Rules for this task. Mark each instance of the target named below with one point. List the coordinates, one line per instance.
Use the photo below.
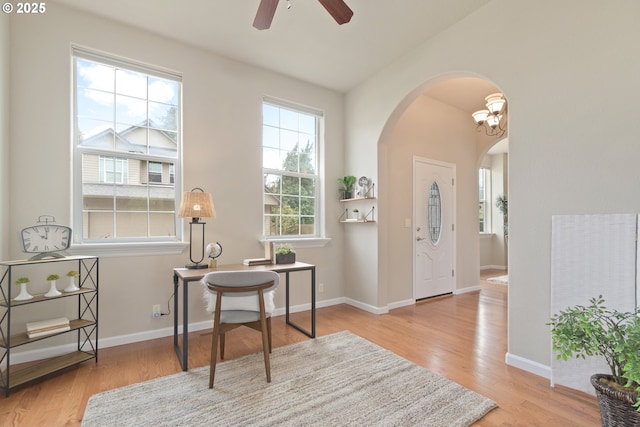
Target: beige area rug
(336, 380)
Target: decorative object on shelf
(45, 239)
(285, 254)
(72, 287)
(214, 250)
(494, 119)
(595, 330)
(196, 204)
(53, 291)
(346, 191)
(361, 216)
(24, 294)
(365, 187)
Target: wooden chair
(237, 298)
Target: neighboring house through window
(290, 138)
(126, 150)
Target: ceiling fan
(267, 8)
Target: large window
(484, 185)
(126, 150)
(290, 168)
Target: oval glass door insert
(434, 213)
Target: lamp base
(196, 266)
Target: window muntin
(484, 213)
(127, 147)
(290, 171)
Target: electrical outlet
(155, 310)
(321, 287)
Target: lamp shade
(495, 102)
(480, 116)
(197, 204)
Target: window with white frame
(484, 185)
(290, 138)
(126, 143)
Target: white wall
(570, 71)
(222, 138)
(433, 130)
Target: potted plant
(53, 292)
(24, 294)
(285, 254)
(72, 274)
(582, 331)
(503, 205)
(347, 183)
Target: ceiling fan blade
(338, 9)
(264, 16)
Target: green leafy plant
(582, 331)
(347, 183)
(503, 205)
(52, 277)
(284, 249)
(72, 273)
(22, 280)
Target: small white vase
(72, 285)
(23, 295)
(53, 292)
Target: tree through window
(290, 169)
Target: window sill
(303, 243)
(128, 249)
(487, 235)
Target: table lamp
(196, 204)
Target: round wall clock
(45, 238)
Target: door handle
(420, 238)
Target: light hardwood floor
(461, 337)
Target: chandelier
(491, 119)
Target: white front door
(433, 233)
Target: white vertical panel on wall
(591, 255)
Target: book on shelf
(47, 327)
(51, 331)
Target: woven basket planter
(616, 407)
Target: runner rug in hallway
(335, 380)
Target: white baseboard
(528, 365)
(493, 267)
(366, 307)
(44, 353)
(400, 304)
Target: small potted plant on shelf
(581, 331)
(347, 182)
(72, 287)
(285, 254)
(24, 294)
(53, 292)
